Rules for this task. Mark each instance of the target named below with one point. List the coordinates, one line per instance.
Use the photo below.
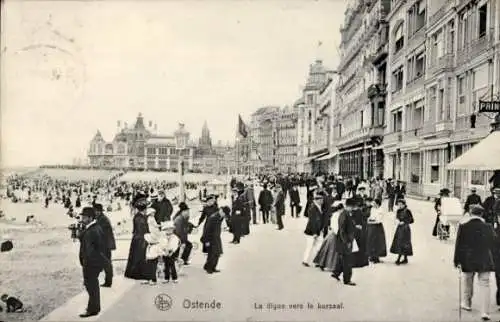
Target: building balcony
(429, 129)
(476, 47)
(417, 38)
(464, 123)
(393, 138)
(416, 83)
(432, 128)
(444, 126)
(442, 64)
(359, 136)
(440, 13)
(412, 135)
(375, 90)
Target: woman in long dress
(376, 244)
(401, 244)
(136, 264)
(325, 259)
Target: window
(420, 15)
(420, 65)
(432, 102)
(310, 99)
(434, 173)
(477, 177)
(409, 69)
(441, 105)
(464, 30)
(434, 166)
(461, 96)
(451, 37)
(483, 19)
(399, 37)
(362, 115)
(397, 121)
(397, 77)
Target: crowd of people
(344, 230)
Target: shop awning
(328, 156)
(483, 156)
(315, 157)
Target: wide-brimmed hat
(444, 191)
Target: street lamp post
(181, 146)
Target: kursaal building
(141, 147)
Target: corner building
(441, 63)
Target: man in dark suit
(92, 259)
(295, 201)
(472, 199)
(182, 228)
(343, 244)
(109, 239)
(211, 239)
(265, 203)
(473, 254)
(279, 205)
(163, 208)
(238, 212)
(313, 228)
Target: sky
(70, 68)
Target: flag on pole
(242, 128)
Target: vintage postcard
(239, 160)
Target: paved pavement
(262, 279)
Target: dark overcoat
(92, 248)
(107, 229)
(474, 246)
(314, 221)
(212, 234)
(345, 235)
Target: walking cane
(459, 293)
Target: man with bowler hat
(92, 259)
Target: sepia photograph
(250, 160)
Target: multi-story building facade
(308, 109)
(263, 139)
(358, 119)
(286, 129)
(140, 147)
(323, 126)
(442, 58)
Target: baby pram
(450, 215)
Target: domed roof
(317, 67)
